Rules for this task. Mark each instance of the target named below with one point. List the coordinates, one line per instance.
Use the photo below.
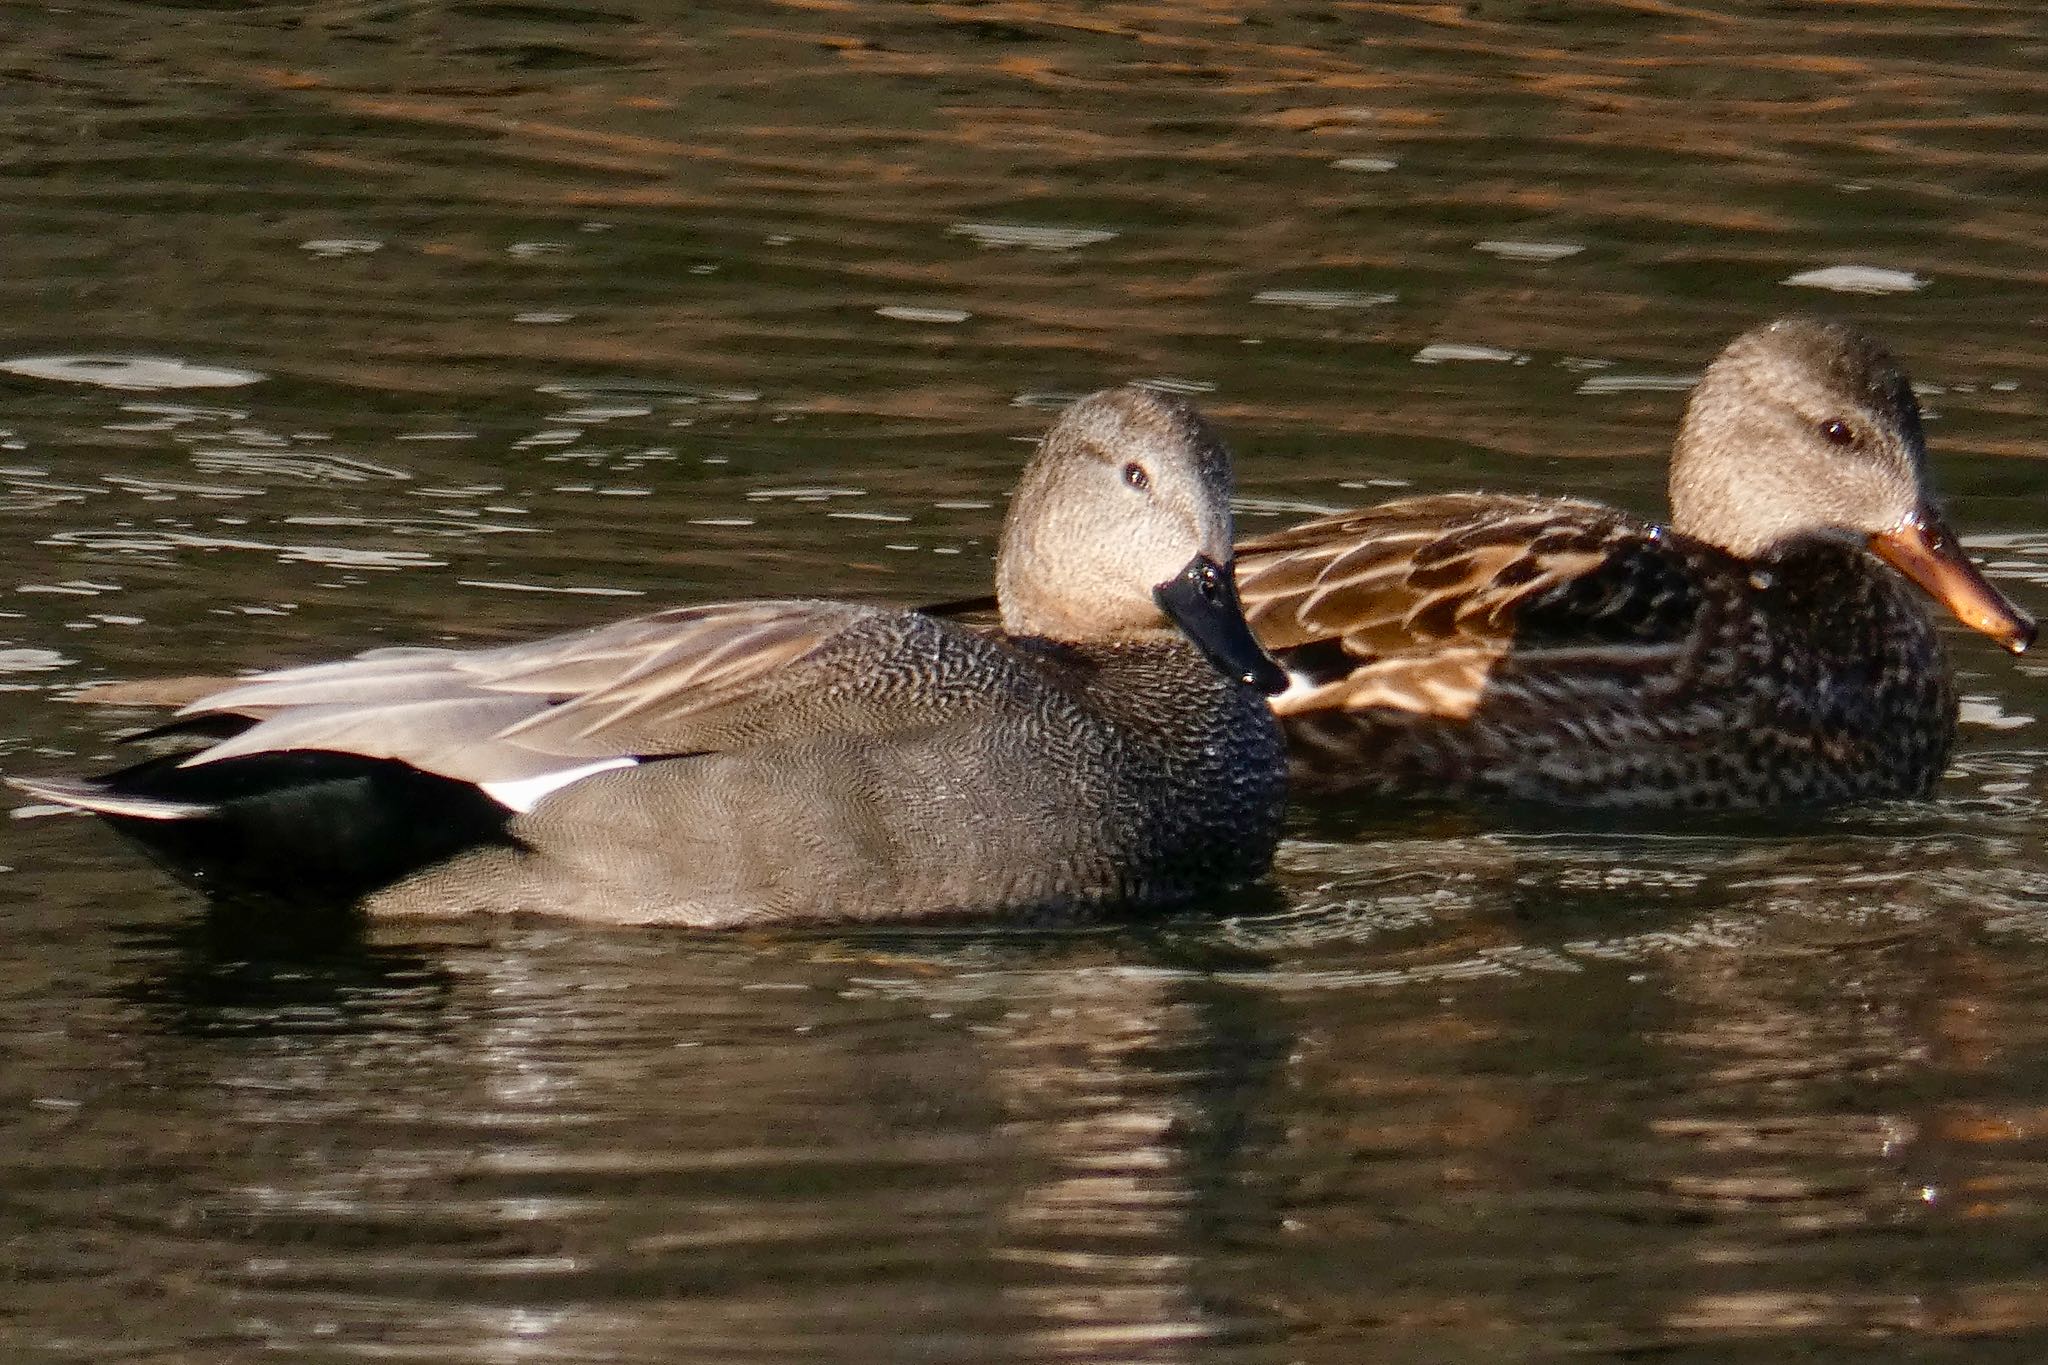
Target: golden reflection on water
(817, 164)
(562, 310)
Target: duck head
(1120, 530)
(1805, 427)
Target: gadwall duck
(1766, 649)
(783, 761)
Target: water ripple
(129, 372)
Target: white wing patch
(523, 794)
(1299, 687)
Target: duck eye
(1838, 431)
(1136, 477)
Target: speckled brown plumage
(1485, 647)
(1607, 663)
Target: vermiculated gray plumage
(775, 761)
(1033, 776)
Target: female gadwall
(777, 761)
(1755, 654)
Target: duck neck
(1028, 607)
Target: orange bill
(1926, 551)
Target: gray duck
(1768, 648)
(767, 762)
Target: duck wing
(1414, 605)
(688, 680)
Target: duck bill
(1926, 551)
(1202, 600)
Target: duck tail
(98, 799)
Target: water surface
(331, 327)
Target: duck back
(1565, 654)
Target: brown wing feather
(681, 681)
(698, 678)
(1413, 604)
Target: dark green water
(549, 312)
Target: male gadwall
(780, 761)
(1765, 650)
